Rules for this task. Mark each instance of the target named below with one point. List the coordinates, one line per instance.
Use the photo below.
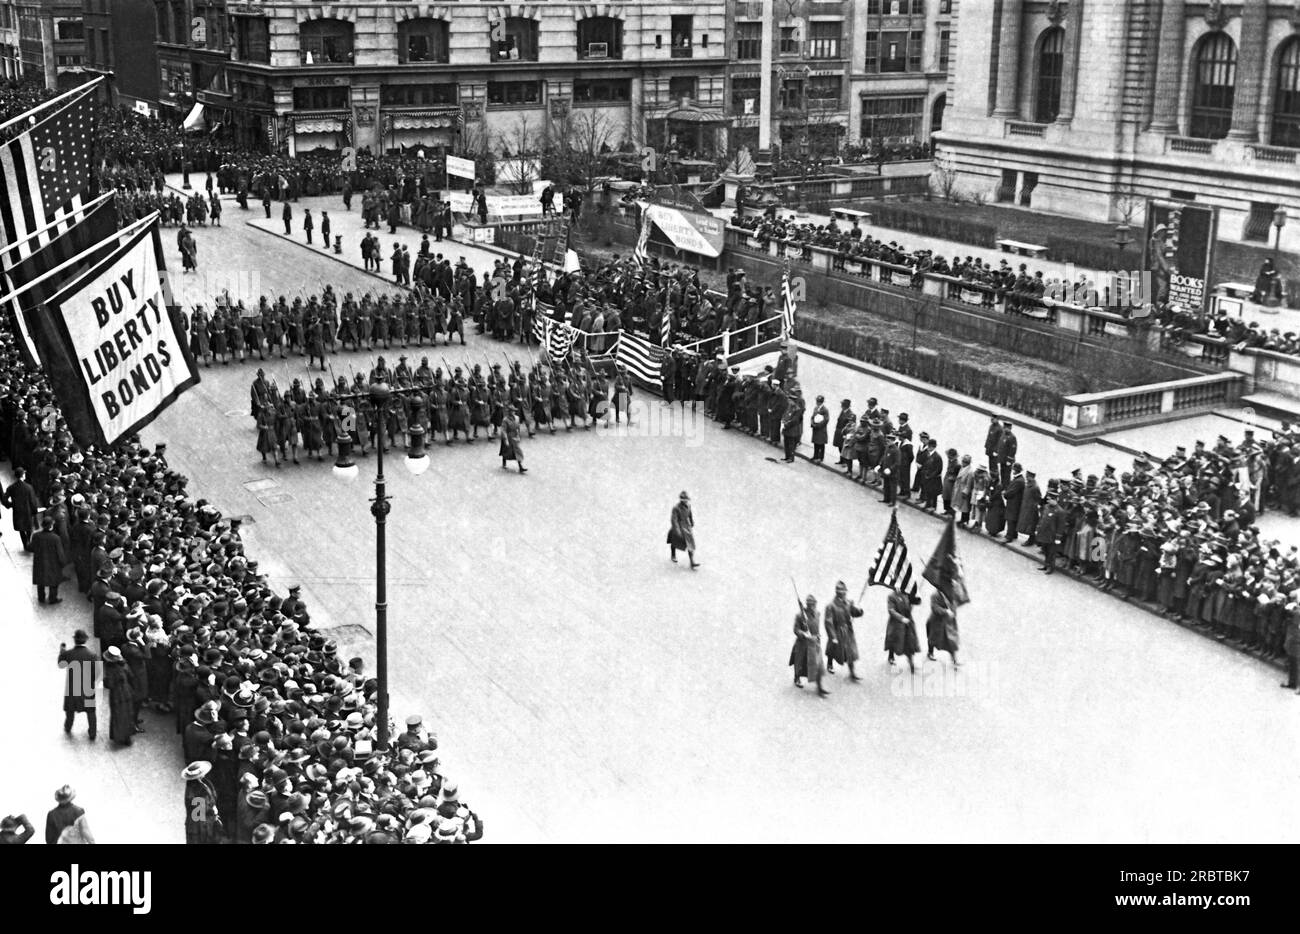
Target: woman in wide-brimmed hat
(120, 683)
(202, 819)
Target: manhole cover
(235, 413)
(254, 486)
(275, 499)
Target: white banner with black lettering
(118, 351)
(461, 168)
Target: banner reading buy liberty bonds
(113, 347)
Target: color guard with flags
(893, 569)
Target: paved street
(584, 688)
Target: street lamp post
(417, 462)
(1279, 221)
(1123, 237)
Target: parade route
(584, 688)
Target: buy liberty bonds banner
(117, 356)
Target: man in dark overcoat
(21, 498)
(1015, 497)
(83, 668)
(49, 559)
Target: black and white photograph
(737, 422)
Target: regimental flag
(46, 173)
(99, 224)
(113, 344)
(893, 567)
(787, 304)
(944, 571)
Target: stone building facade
(306, 75)
(1089, 107)
(844, 71)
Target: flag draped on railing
(893, 567)
(787, 303)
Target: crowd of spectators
(1178, 532)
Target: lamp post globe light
(1279, 221)
(381, 396)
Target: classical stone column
(1169, 67)
(1070, 71)
(1250, 71)
(1006, 103)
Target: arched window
(1051, 62)
(936, 112)
(326, 42)
(423, 40)
(1286, 102)
(519, 42)
(1214, 80)
(600, 37)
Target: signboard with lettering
(461, 168)
(1178, 253)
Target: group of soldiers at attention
(443, 404)
(308, 328)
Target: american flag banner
(787, 303)
(98, 226)
(641, 254)
(46, 172)
(893, 567)
(641, 358)
(666, 328)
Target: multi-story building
(900, 70)
(120, 47)
(843, 72)
(11, 63)
(392, 74)
(42, 40)
(1087, 108)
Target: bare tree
(578, 145)
(943, 179)
(475, 145)
(517, 149)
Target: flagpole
(84, 209)
(130, 230)
(45, 105)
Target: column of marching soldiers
(312, 417)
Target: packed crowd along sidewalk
(278, 730)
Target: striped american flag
(641, 254)
(787, 303)
(641, 358)
(893, 568)
(559, 342)
(46, 172)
